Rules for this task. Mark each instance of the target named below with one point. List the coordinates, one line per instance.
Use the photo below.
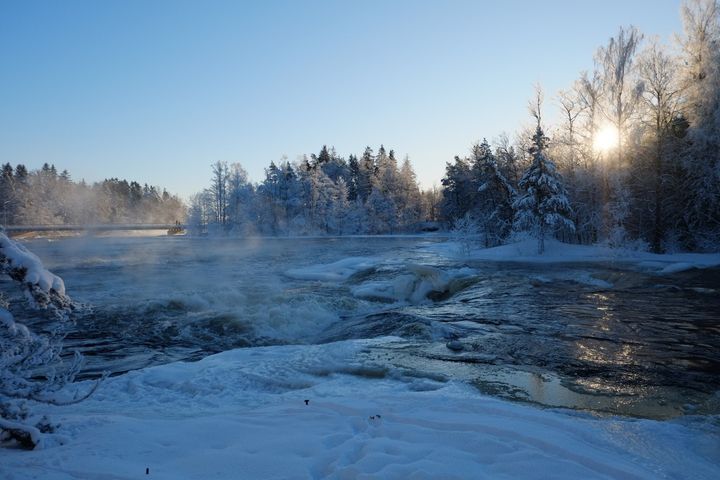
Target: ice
(677, 267)
(581, 277)
(334, 272)
(420, 284)
(242, 414)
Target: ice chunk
(334, 272)
(421, 284)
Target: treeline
(320, 194)
(638, 149)
(634, 162)
(47, 197)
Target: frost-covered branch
(30, 365)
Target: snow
(416, 287)
(13, 328)
(242, 414)
(334, 272)
(557, 252)
(20, 257)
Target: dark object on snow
(147, 471)
(307, 402)
(177, 229)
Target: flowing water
(599, 337)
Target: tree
(701, 82)
(458, 190)
(219, 192)
(622, 91)
(409, 198)
(353, 177)
(366, 174)
(662, 102)
(543, 203)
(494, 211)
(30, 364)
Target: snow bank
(422, 283)
(19, 257)
(558, 252)
(334, 272)
(242, 414)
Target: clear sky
(158, 90)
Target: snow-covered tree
(542, 205)
(31, 369)
(661, 101)
(701, 81)
(493, 210)
(465, 232)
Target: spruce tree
(494, 198)
(543, 205)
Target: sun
(606, 138)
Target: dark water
(607, 338)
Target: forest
(46, 197)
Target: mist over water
(604, 338)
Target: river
(608, 338)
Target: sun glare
(606, 138)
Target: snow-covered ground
(242, 414)
(557, 253)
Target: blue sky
(158, 90)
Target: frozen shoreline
(241, 414)
(558, 253)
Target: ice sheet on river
(242, 414)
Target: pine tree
(366, 174)
(353, 178)
(459, 190)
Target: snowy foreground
(242, 414)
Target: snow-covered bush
(31, 369)
(465, 232)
